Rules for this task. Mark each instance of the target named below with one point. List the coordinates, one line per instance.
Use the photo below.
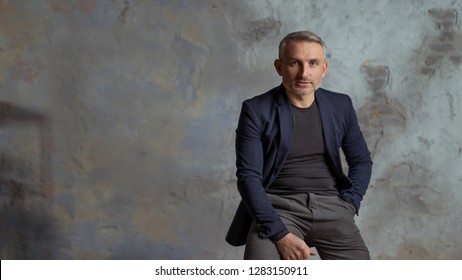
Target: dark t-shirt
(305, 169)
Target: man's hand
(291, 247)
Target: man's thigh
(292, 210)
(258, 248)
(335, 234)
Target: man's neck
(301, 101)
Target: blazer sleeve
(358, 158)
(250, 163)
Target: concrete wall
(117, 121)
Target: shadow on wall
(27, 226)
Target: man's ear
(278, 66)
(325, 66)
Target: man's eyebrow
(311, 60)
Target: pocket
(281, 202)
(348, 205)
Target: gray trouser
(324, 222)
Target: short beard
(300, 92)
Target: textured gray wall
(117, 121)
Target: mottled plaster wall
(117, 121)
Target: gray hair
(305, 36)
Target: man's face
(302, 67)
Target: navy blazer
(263, 137)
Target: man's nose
(304, 70)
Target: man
(290, 177)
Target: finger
(308, 253)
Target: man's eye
(294, 63)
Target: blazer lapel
(328, 125)
(285, 126)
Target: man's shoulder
(332, 94)
(333, 98)
(268, 97)
(266, 105)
